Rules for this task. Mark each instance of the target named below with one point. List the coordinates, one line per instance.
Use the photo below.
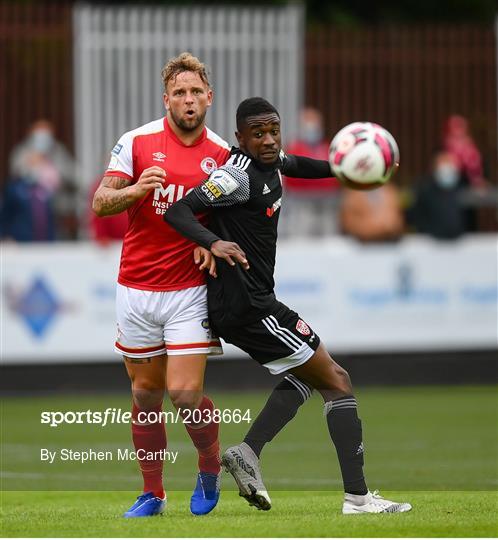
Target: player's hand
(231, 252)
(206, 260)
(151, 178)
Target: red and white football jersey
(155, 257)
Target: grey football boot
(243, 464)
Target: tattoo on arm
(115, 182)
(112, 197)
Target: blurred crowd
(38, 202)
(41, 199)
(442, 203)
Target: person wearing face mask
(312, 207)
(437, 209)
(26, 211)
(41, 160)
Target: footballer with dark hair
(244, 198)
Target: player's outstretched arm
(116, 194)
(181, 216)
(304, 167)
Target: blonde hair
(183, 62)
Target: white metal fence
(120, 51)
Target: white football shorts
(151, 323)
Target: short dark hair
(252, 107)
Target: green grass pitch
(435, 447)
(295, 514)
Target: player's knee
(146, 395)
(342, 381)
(186, 399)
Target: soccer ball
(363, 155)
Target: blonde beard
(199, 120)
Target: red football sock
(150, 437)
(205, 439)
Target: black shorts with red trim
(279, 341)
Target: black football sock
(280, 409)
(345, 431)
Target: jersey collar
(266, 167)
(202, 137)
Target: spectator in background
(311, 205)
(372, 216)
(458, 141)
(105, 230)
(26, 210)
(437, 210)
(44, 162)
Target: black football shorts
(280, 341)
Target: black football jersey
(244, 198)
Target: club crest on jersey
(303, 328)
(276, 205)
(158, 156)
(208, 165)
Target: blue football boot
(206, 493)
(146, 505)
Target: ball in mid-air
(363, 155)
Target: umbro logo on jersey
(158, 156)
(360, 449)
(266, 190)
